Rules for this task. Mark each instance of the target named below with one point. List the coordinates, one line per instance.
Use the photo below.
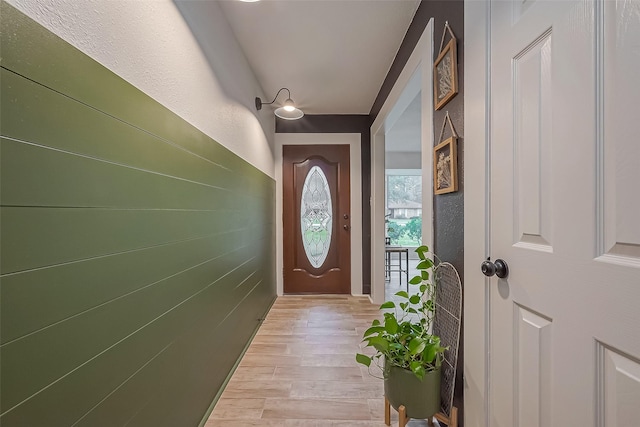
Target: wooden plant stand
(446, 325)
(402, 414)
(451, 421)
(403, 419)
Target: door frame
(417, 75)
(477, 212)
(355, 164)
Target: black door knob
(499, 268)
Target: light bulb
(289, 105)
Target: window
(404, 210)
(316, 216)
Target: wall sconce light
(288, 111)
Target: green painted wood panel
(41, 237)
(165, 416)
(65, 401)
(71, 126)
(86, 335)
(103, 184)
(136, 253)
(97, 281)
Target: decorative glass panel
(316, 216)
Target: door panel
(317, 219)
(620, 157)
(565, 167)
(532, 370)
(532, 144)
(619, 388)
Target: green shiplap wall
(136, 253)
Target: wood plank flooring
(300, 370)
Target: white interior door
(565, 213)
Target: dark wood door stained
(333, 276)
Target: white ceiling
(332, 54)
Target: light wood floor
(300, 369)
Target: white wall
(402, 160)
(353, 140)
(182, 54)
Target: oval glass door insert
(316, 216)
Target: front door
(316, 219)
(565, 214)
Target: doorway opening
(403, 200)
(401, 173)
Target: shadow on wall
(226, 58)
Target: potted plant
(407, 353)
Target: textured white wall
(183, 54)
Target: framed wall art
(445, 167)
(445, 72)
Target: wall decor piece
(445, 71)
(445, 174)
(445, 161)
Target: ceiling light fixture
(288, 111)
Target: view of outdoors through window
(404, 210)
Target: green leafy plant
(404, 338)
(394, 231)
(413, 229)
